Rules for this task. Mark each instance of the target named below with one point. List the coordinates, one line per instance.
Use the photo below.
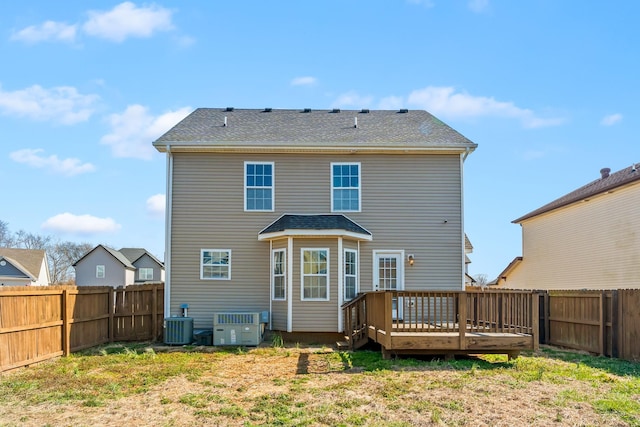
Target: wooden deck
(404, 322)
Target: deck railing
(440, 311)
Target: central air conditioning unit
(178, 330)
(238, 328)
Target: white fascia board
(314, 233)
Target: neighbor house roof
(322, 223)
(220, 128)
(134, 254)
(27, 260)
(607, 182)
(116, 254)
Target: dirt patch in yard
(303, 386)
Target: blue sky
(548, 89)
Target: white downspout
(167, 239)
(290, 284)
(462, 157)
(270, 282)
(340, 282)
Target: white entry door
(389, 275)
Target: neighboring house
(23, 267)
(297, 211)
(587, 239)
(103, 266)
(468, 248)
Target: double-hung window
(315, 274)
(345, 187)
(99, 271)
(350, 274)
(279, 274)
(215, 264)
(145, 273)
(258, 186)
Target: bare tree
(6, 237)
(482, 280)
(27, 240)
(62, 256)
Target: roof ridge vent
(335, 110)
(365, 111)
(228, 109)
(306, 110)
(604, 172)
(403, 111)
(267, 110)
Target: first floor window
(215, 264)
(99, 271)
(145, 273)
(315, 274)
(350, 274)
(279, 274)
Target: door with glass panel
(389, 276)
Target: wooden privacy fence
(603, 322)
(39, 323)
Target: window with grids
(99, 271)
(258, 184)
(215, 264)
(345, 187)
(145, 273)
(279, 274)
(350, 274)
(315, 274)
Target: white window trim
(356, 275)
(202, 251)
(104, 273)
(359, 185)
(273, 277)
(141, 269)
(273, 186)
(302, 275)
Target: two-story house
(586, 239)
(297, 211)
(104, 266)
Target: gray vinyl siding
(406, 200)
(115, 274)
(145, 261)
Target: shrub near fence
(39, 323)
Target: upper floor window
(345, 187)
(99, 271)
(258, 186)
(215, 264)
(145, 273)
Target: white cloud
(61, 104)
(80, 224)
(304, 81)
(48, 31)
(445, 102)
(611, 119)
(133, 131)
(156, 205)
(352, 99)
(128, 20)
(68, 167)
(478, 5)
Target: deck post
(388, 317)
(462, 319)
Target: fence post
(154, 312)
(613, 312)
(112, 308)
(601, 320)
(462, 319)
(535, 319)
(66, 330)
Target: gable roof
(29, 261)
(134, 254)
(322, 223)
(606, 182)
(226, 128)
(116, 254)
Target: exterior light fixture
(410, 258)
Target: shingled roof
(314, 222)
(29, 259)
(606, 182)
(208, 128)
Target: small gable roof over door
(314, 226)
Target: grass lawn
(122, 385)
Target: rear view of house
(295, 212)
(23, 267)
(103, 266)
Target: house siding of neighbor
(410, 202)
(103, 266)
(23, 267)
(587, 239)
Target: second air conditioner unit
(237, 329)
